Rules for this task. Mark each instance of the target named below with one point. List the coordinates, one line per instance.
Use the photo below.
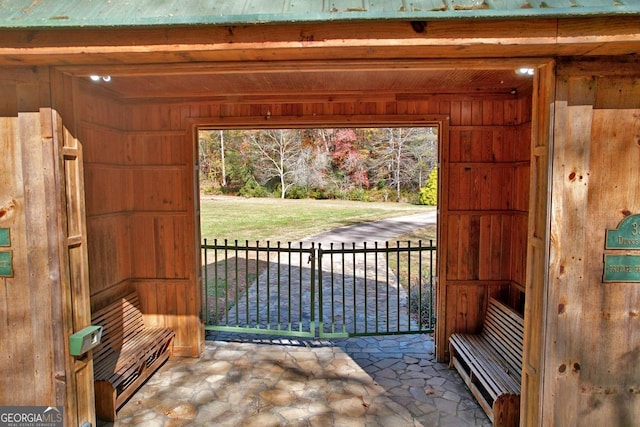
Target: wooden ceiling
(247, 83)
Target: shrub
(429, 193)
(252, 189)
(379, 195)
(297, 192)
(421, 306)
(358, 195)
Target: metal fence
(308, 290)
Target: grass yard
(254, 219)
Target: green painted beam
(35, 14)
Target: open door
(74, 266)
(537, 246)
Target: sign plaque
(624, 267)
(6, 264)
(626, 236)
(5, 237)
(621, 268)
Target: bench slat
(134, 351)
(498, 371)
(491, 362)
(116, 332)
(128, 353)
(480, 357)
(504, 329)
(507, 350)
(114, 335)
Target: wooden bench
(127, 355)
(491, 362)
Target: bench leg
(105, 401)
(506, 411)
(452, 354)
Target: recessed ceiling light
(525, 71)
(97, 78)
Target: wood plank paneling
(15, 386)
(143, 235)
(454, 38)
(34, 158)
(111, 255)
(596, 179)
(535, 280)
(37, 311)
(570, 171)
(158, 188)
(159, 148)
(158, 248)
(107, 145)
(75, 248)
(100, 182)
(485, 165)
(484, 208)
(33, 358)
(169, 303)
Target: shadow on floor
(274, 381)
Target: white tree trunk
(224, 172)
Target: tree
(327, 162)
(279, 149)
(346, 158)
(429, 193)
(425, 153)
(312, 164)
(211, 159)
(399, 153)
(222, 162)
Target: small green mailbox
(84, 340)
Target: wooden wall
(142, 234)
(26, 374)
(109, 199)
(139, 179)
(41, 205)
(592, 342)
(483, 212)
(537, 245)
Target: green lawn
(256, 219)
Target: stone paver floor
(264, 381)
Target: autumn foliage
(348, 163)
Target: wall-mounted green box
(84, 340)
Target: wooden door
(74, 271)
(538, 246)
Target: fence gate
(306, 290)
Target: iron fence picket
(375, 290)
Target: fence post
(312, 260)
(205, 273)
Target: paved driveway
(380, 231)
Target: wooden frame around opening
(441, 121)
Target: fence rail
(307, 290)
